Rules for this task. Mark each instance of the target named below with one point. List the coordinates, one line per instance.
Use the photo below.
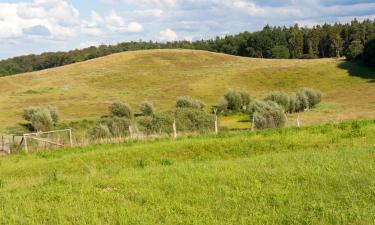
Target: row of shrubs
(271, 112)
(189, 115)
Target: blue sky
(35, 26)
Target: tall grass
(314, 175)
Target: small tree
(234, 100)
(120, 109)
(186, 102)
(355, 50)
(280, 98)
(41, 118)
(237, 100)
(314, 97)
(302, 101)
(267, 114)
(147, 109)
(54, 113)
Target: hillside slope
(85, 89)
(313, 175)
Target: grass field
(84, 90)
(314, 175)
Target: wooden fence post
(253, 124)
(298, 122)
(25, 143)
(70, 137)
(131, 132)
(216, 126)
(174, 130)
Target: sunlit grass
(313, 175)
(84, 90)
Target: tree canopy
(271, 42)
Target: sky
(35, 26)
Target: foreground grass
(84, 90)
(315, 175)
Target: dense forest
(354, 40)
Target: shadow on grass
(355, 69)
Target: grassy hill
(84, 90)
(313, 175)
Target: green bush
(355, 50)
(267, 114)
(292, 103)
(222, 106)
(120, 109)
(29, 112)
(186, 102)
(302, 101)
(187, 120)
(147, 109)
(54, 113)
(237, 100)
(101, 131)
(41, 120)
(313, 96)
(281, 99)
(117, 126)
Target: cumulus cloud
(116, 23)
(55, 19)
(168, 35)
(122, 20)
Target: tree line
(354, 40)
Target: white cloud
(168, 35)
(58, 17)
(116, 23)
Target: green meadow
(84, 90)
(321, 174)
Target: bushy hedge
(41, 118)
(235, 101)
(304, 98)
(120, 109)
(267, 114)
(187, 120)
(147, 109)
(186, 102)
(117, 126)
(280, 98)
(313, 96)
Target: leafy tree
(237, 100)
(280, 52)
(120, 109)
(280, 98)
(147, 109)
(186, 102)
(355, 50)
(313, 96)
(267, 114)
(41, 118)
